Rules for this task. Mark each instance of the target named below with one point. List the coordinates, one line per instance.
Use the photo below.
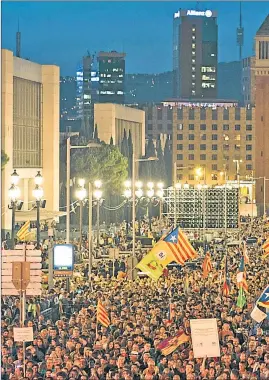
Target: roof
(264, 28)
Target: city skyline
(147, 45)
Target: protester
(70, 344)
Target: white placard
(23, 334)
(205, 338)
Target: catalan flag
(102, 315)
(179, 246)
(226, 282)
(265, 247)
(242, 276)
(264, 298)
(23, 231)
(207, 265)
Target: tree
(124, 144)
(160, 172)
(4, 159)
(111, 141)
(105, 163)
(95, 134)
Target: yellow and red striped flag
(207, 265)
(102, 315)
(24, 230)
(242, 276)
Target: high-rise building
(248, 80)
(111, 77)
(212, 138)
(30, 134)
(195, 54)
(262, 113)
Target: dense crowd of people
(72, 345)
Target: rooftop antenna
(18, 41)
(240, 33)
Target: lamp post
(38, 194)
(127, 194)
(237, 163)
(160, 194)
(81, 195)
(98, 196)
(201, 171)
(150, 195)
(13, 193)
(68, 170)
(264, 192)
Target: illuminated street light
(186, 185)
(38, 179)
(127, 193)
(127, 183)
(150, 185)
(139, 184)
(81, 182)
(98, 183)
(14, 193)
(150, 193)
(15, 178)
(38, 193)
(160, 185)
(139, 193)
(178, 185)
(81, 193)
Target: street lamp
(127, 194)
(38, 195)
(68, 169)
(237, 163)
(13, 194)
(98, 196)
(160, 194)
(81, 194)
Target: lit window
(193, 46)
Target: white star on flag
(173, 238)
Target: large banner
(205, 338)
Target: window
(191, 127)
(180, 113)
(191, 146)
(214, 127)
(249, 127)
(203, 127)
(169, 127)
(214, 166)
(214, 177)
(226, 127)
(179, 146)
(249, 137)
(170, 113)
(238, 138)
(249, 114)
(202, 146)
(191, 177)
(180, 157)
(214, 147)
(248, 147)
(160, 127)
(237, 127)
(159, 114)
(149, 127)
(226, 147)
(180, 136)
(214, 157)
(237, 114)
(214, 114)
(249, 167)
(226, 114)
(214, 137)
(203, 137)
(191, 157)
(202, 157)
(191, 137)
(248, 157)
(237, 147)
(203, 114)
(180, 127)
(191, 114)
(179, 177)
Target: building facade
(111, 77)
(159, 121)
(248, 81)
(195, 54)
(262, 114)
(30, 133)
(211, 139)
(113, 119)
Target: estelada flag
(168, 345)
(207, 265)
(102, 315)
(265, 247)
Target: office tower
(30, 133)
(212, 137)
(111, 77)
(248, 81)
(262, 114)
(195, 54)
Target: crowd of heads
(70, 344)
